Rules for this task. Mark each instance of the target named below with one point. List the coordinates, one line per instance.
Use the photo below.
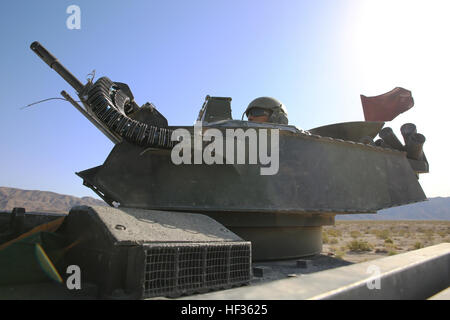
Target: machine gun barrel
(53, 63)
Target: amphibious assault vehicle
(181, 228)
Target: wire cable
(37, 102)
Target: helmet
(279, 113)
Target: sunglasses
(258, 112)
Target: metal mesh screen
(176, 269)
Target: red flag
(387, 106)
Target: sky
(316, 56)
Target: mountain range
(433, 209)
(44, 201)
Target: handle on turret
(53, 63)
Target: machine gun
(110, 106)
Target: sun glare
(405, 43)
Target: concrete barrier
(417, 274)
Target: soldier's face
(257, 114)
(258, 119)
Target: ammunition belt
(101, 103)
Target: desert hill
(35, 200)
(41, 201)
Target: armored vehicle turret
(271, 185)
(279, 207)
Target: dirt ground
(359, 241)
